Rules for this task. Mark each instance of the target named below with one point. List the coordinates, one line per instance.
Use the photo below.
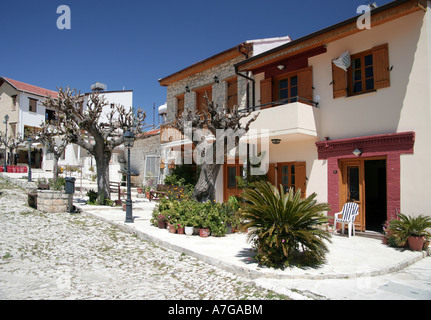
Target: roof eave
(337, 31)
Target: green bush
(189, 212)
(285, 229)
(92, 197)
(405, 226)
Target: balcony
(169, 134)
(291, 119)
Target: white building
(22, 103)
(76, 156)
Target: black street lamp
(6, 119)
(129, 139)
(29, 141)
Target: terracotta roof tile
(31, 88)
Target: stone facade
(52, 201)
(223, 71)
(147, 145)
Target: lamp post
(29, 141)
(6, 119)
(129, 139)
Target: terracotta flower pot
(172, 228)
(204, 232)
(161, 224)
(416, 243)
(180, 230)
(140, 190)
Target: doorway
(363, 181)
(230, 184)
(375, 194)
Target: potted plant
(140, 189)
(147, 192)
(180, 228)
(161, 221)
(171, 227)
(411, 230)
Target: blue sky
(131, 44)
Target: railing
(169, 134)
(280, 102)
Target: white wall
(404, 106)
(27, 118)
(75, 155)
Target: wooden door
(292, 175)
(230, 185)
(352, 188)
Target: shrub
(403, 227)
(283, 227)
(92, 197)
(189, 212)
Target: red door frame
(390, 146)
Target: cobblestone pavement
(74, 256)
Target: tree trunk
(205, 187)
(55, 168)
(102, 164)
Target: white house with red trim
(22, 103)
(361, 133)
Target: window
(180, 106)
(361, 73)
(232, 93)
(151, 170)
(288, 88)
(14, 102)
(201, 101)
(369, 71)
(50, 115)
(32, 105)
(298, 83)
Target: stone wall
(52, 201)
(223, 71)
(143, 147)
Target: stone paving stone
(73, 256)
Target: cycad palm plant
(284, 227)
(406, 226)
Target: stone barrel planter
(52, 201)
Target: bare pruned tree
(210, 131)
(97, 132)
(12, 144)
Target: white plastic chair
(348, 214)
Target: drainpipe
(248, 78)
(253, 88)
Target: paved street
(74, 256)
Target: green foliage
(405, 226)
(285, 229)
(183, 175)
(92, 199)
(190, 212)
(59, 183)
